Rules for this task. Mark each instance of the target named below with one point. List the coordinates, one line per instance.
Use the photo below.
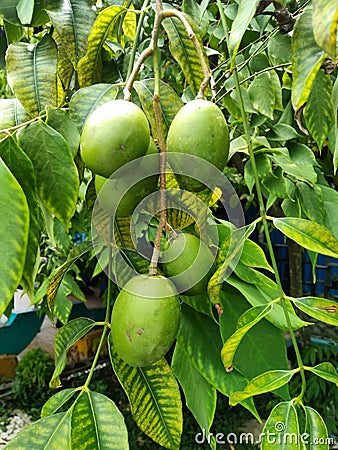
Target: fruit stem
(161, 143)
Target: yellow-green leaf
(309, 235)
(72, 20)
(14, 226)
(325, 370)
(316, 429)
(183, 50)
(32, 73)
(11, 113)
(57, 401)
(89, 67)
(319, 112)
(170, 103)
(67, 336)
(97, 423)
(87, 99)
(49, 433)
(319, 308)
(57, 276)
(154, 397)
(307, 58)
(266, 382)
(129, 23)
(282, 427)
(325, 22)
(245, 322)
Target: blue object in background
(19, 331)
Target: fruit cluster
(146, 313)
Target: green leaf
(57, 181)
(12, 113)
(57, 401)
(25, 11)
(297, 163)
(72, 21)
(200, 337)
(62, 305)
(61, 122)
(334, 131)
(197, 13)
(318, 112)
(200, 303)
(67, 336)
(32, 73)
(253, 256)
(89, 67)
(183, 50)
(276, 185)
(325, 370)
(307, 58)
(14, 227)
(57, 276)
(282, 426)
(330, 204)
(14, 33)
(311, 201)
(265, 382)
(262, 94)
(279, 49)
(96, 422)
(319, 308)
(316, 429)
(129, 25)
(282, 132)
(21, 167)
(261, 295)
(200, 396)
(254, 355)
(49, 433)
(154, 397)
(247, 320)
(170, 103)
(183, 209)
(325, 22)
(8, 11)
(308, 234)
(277, 88)
(85, 100)
(228, 256)
(245, 13)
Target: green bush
(31, 384)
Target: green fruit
(145, 320)
(114, 134)
(189, 263)
(198, 129)
(110, 190)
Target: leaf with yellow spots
(154, 397)
(308, 234)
